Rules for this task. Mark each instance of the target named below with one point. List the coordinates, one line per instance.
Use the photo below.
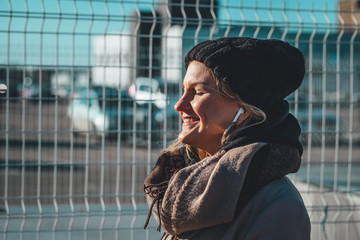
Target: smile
(188, 121)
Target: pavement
(77, 223)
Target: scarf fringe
(155, 191)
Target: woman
(225, 177)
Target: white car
(85, 113)
(146, 90)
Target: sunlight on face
(205, 112)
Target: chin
(186, 139)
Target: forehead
(198, 73)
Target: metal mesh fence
(89, 106)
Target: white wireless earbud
(241, 110)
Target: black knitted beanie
(261, 72)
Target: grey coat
(275, 212)
(201, 202)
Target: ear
(241, 118)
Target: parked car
(146, 90)
(150, 93)
(31, 91)
(97, 110)
(317, 115)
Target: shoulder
(281, 188)
(278, 193)
(278, 212)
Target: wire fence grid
(88, 107)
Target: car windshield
(145, 88)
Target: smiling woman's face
(205, 112)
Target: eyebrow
(192, 84)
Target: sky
(45, 32)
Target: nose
(182, 104)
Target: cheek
(201, 109)
(223, 113)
